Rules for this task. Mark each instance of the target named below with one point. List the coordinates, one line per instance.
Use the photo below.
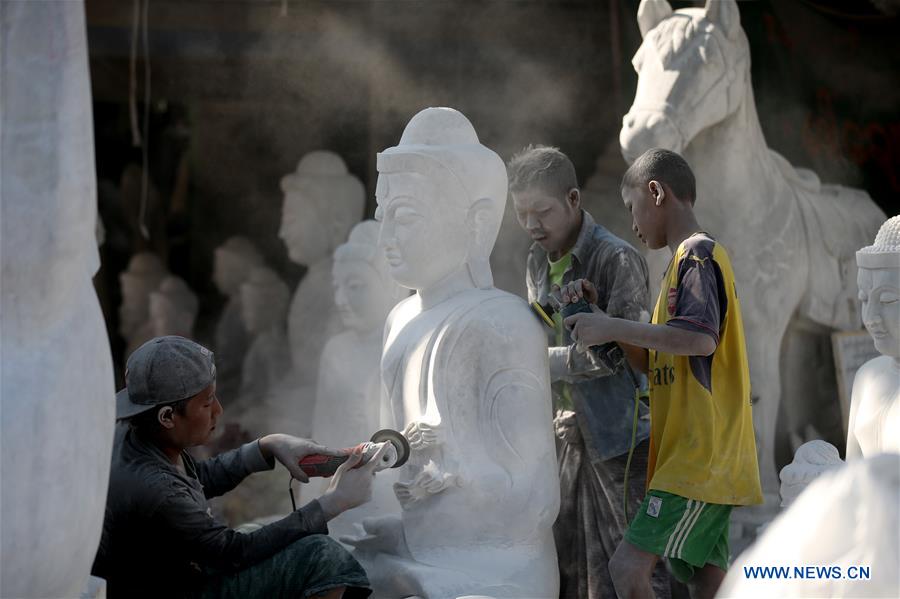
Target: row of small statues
(279, 358)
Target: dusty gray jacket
(159, 535)
(603, 399)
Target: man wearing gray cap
(159, 535)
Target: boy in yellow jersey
(702, 448)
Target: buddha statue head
(173, 308)
(878, 280)
(232, 264)
(441, 196)
(322, 200)
(144, 274)
(264, 300)
(364, 291)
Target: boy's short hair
(666, 167)
(544, 167)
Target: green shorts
(688, 532)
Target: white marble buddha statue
(465, 373)
(348, 408)
(232, 263)
(173, 308)
(322, 201)
(144, 274)
(264, 303)
(874, 425)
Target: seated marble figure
(465, 373)
(348, 408)
(874, 425)
(264, 303)
(232, 263)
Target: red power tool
(395, 456)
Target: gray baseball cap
(164, 370)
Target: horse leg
(764, 356)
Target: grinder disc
(397, 440)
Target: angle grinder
(610, 353)
(395, 456)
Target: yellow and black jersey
(702, 445)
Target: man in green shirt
(594, 395)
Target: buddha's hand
(422, 435)
(383, 534)
(430, 481)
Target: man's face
(198, 422)
(550, 221)
(648, 223)
(423, 235)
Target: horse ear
(651, 13)
(724, 13)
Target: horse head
(693, 71)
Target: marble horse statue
(792, 239)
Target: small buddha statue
(232, 263)
(874, 425)
(322, 201)
(348, 408)
(264, 301)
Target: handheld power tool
(318, 465)
(610, 353)
(395, 456)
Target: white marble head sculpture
(879, 287)
(364, 291)
(232, 264)
(173, 308)
(264, 300)
(693, 71)
(441, 196)
(144, 274)
(322, 200)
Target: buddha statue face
(424, 233)
(322, 200)
(879, 293)
(362, 295)
(302, 218)
(878, 280)
(440, 197)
